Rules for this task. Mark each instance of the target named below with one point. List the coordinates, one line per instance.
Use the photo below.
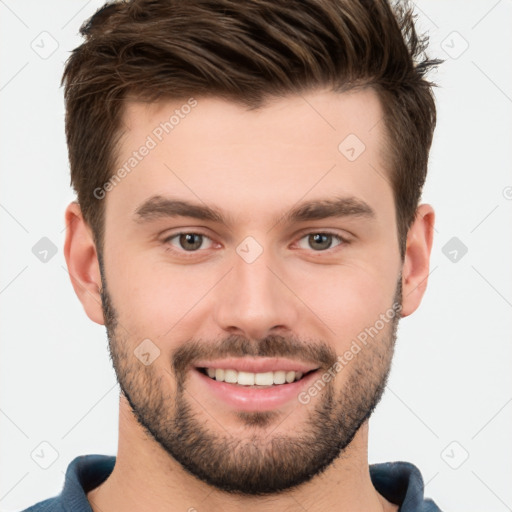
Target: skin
(254, 166)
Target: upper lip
(258, 365)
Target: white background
(451, 380)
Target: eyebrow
(337, 207)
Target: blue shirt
(399, 482)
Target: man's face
(256, 288)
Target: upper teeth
(251, 379)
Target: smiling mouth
(254, 380)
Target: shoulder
(83, 474)
(49, 505)
(401, 483)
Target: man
(248, 229)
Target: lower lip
(247, 398)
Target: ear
(417, 259)
(82, 262)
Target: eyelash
(187, 254)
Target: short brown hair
(246, 52)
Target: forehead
(316, 114)
(224, 154)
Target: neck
(145, 477)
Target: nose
(255, 299)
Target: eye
(189, 242)
(320, 241)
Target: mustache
(312, 351)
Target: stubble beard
(265, 461)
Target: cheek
(347, 299)
(153, 296)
